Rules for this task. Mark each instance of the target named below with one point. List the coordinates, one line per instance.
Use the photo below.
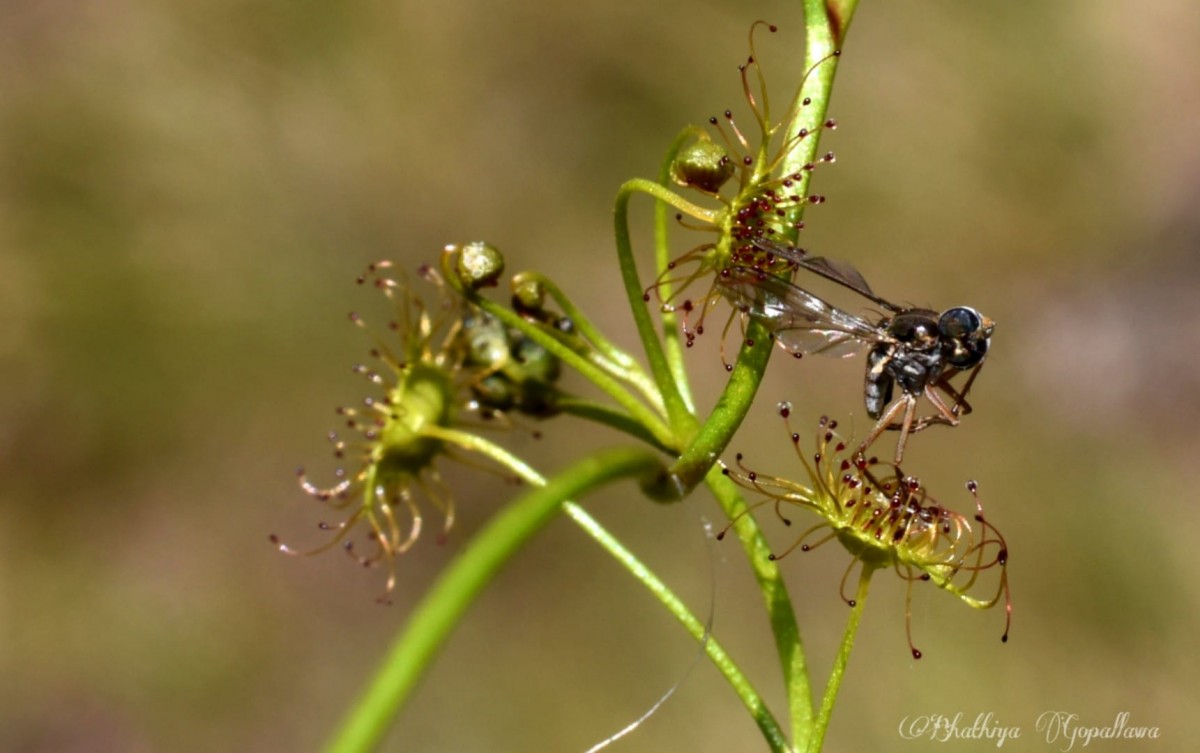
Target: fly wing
(800, 321)
(841, 272)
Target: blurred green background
(187, 191)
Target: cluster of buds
(443, 365)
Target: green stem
(590, 371)
(669, 197)
(826, 23)
(767, 724)
(616, 361)
(607, 416)
(443, 606)
(672, 336)
(679, 414)
(713, 437)
(780, 612)
(825, 30)
(843, 657)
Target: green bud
(704, 165)
(486, 340)
(495, 392)
(478, 265)
(537, 363)
(528, 293)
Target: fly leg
(910, 411)
(903, 408)
(948, 415)
(960, 396)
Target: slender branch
(767, 724)
(593, 373)
(826, 23)
(672, 335)
(731, 408)
(679, 414)
(614, 360)
(608, 416)
(669, 197)
(780, 612)
(843, 657)
(455, 590)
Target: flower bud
(477, 264)
(528, 293)
(704, 165)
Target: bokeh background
(187, 191)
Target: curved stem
(608, 416)
(672, 335)
(620, 364)
(679, 414)
(443, 606)
(667, 196)
(590, 371)
(826, 23)
(843, 657)
(767, 724)
(735, 400)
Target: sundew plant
(472, 345)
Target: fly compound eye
(960, 322)
(967, 353)
(965, 336)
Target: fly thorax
(917, 329)
(913, 368)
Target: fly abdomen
(877, 388)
